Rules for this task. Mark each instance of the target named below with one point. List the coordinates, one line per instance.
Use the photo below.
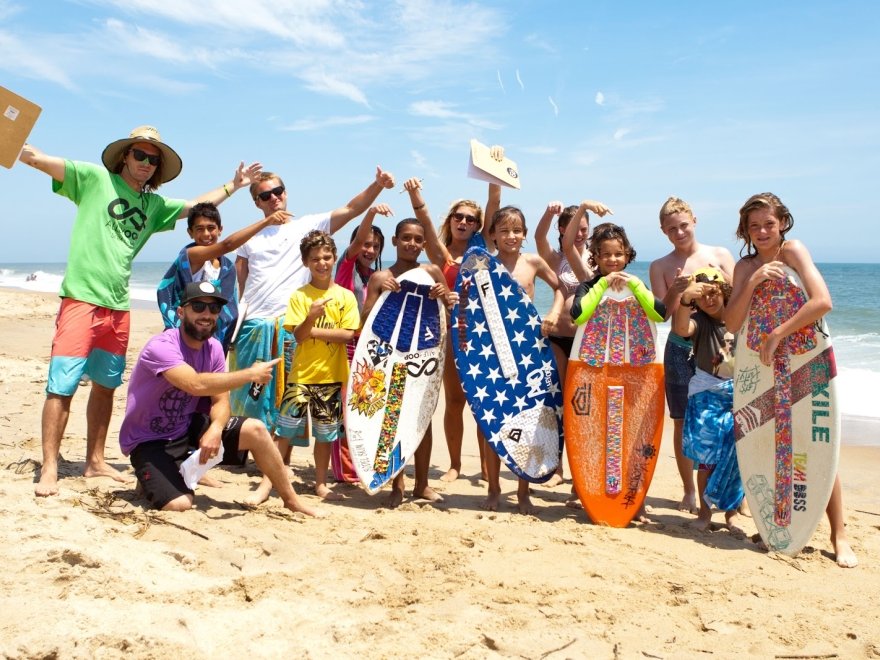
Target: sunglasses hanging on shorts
(198, 306)
(140, 155)
(266, 194)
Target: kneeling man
(178, 403)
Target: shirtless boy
(670, 276)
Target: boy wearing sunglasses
(165, 417)
(117, 212)
(270, 268)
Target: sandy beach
(92, 573)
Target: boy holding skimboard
(409, 240)
(669, 277)
(763, 223)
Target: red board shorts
(89, 340)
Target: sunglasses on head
(198, 306)
(470, 219)
(140, 155)
(266, 194)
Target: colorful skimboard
(507, 368)
(395, 380)
(614, 407)
(786, 418)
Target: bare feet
(642, 515)
(491, 502)
(395, 499)
(733, 523)
(428, 494)
(103, 470)
(554, 481)
(688, 503)
(744, 508)
(322, 491)
(210, 482)
(524, 503)
(574, 502)
(261, 494)
(297, 506)
(704, 519)
(451, 475)
(843, 553)
(48, 483)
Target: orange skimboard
(613, 409)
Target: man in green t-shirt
(117, 211)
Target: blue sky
(628, 103)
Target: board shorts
(261, 340)
(156, 463)
(678, 368)
(324, 401)
(565, 343)
(708, 440)
(89, 340)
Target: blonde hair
(674, 205)
(445, 233)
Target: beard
(195, 332)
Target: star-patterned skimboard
(786, 418)
(506, 367)
(614, 409)
(395, 379)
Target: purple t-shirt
(155, 409)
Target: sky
(625, 102)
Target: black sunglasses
(266, 194)
(198, 306)
(140, 155)
(470, 219)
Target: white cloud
(555, 107)
(325, 122)
(25, 58)
(519, 80)
(538, 42)
(448, 111)
(620, 133)
(501, 83)
(600, 98)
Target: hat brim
(172, 165)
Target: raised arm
(243, 177)
(437, 252)
(51, 165)
(568, 248)
(362, 201)
(546, 250)
(493, 203)
(199, 254)
(365, 229)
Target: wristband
(419, 207)
(226, 190)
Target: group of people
(294, 303)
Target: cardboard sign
(17, 118)
(485, 168)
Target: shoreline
(856, 430)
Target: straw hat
(171, 163)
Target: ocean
(854, 321)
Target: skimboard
(614, 408)
(395, 379)
(786, 418)
(506, 367)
